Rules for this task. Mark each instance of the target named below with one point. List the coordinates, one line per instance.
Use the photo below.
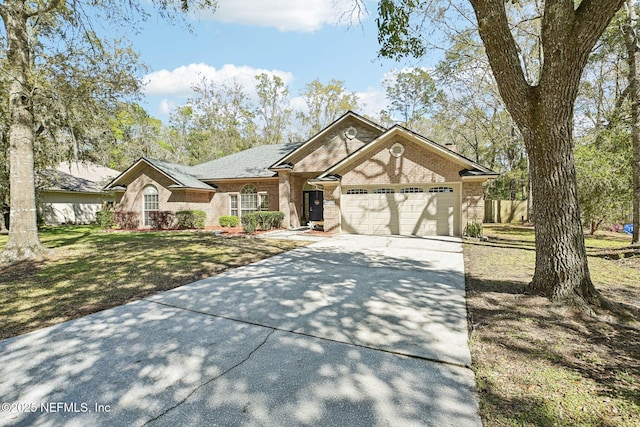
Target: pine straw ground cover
(90, 270)
(538, 364)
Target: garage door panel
(424, 213)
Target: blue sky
(298, 40)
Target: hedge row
(106, 219)
(126, 220)
(229, 221)
(265, 220)
(162, 220)
(191, 219)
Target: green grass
(90, 270)
(525, 234)
(539, 364)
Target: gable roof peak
(348, 114)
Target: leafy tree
(223, 116)
(217, 121)
(28, 26)
(132, 134)
(632, 43)
(325, 104)
(411, 94)
(608, 99)
(542, 105)
(273, 108)
(604, 181)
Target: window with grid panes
(150, 204)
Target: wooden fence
(506, 211)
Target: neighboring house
(354, 176)
(72, 193)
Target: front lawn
(538, 364)
(90, 270)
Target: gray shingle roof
(184, 175)
(56, 180)
(84, 177)
(251, 163)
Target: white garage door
(406, 210)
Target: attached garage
(414, 209)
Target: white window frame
(261, 201)
(234, 210)
(149, 192)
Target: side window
(233, 204)
(248, 199)
(264, 202)
(150, 204)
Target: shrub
(191, 219)
(269, 219)
(249, 223)
(473, 230)
(229, 221)
(127, 220)
(162, 219)
(106, 219)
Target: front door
(313, 201)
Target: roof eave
(213, 188)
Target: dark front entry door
(313, 201)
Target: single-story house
(73, 192)
(354, 176)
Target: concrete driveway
(351, 330)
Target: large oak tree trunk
(561, 271)
(23, 231)
(544, 113)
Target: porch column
(284, 196)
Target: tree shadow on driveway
(219, 352)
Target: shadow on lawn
(531, 331)
(154, 362)
(106, 270)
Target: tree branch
(44, 9)
(587, 29)
(502, 52)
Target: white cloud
(166, 106)
(374, 101)
(285, 15)
(179, 82)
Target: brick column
(332, 207)
(284, 195)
